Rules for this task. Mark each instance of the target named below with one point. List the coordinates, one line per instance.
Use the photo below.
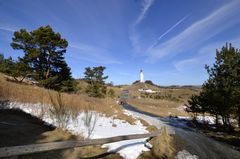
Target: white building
(141, 76)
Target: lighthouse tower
(141, 76)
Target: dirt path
(198, 145)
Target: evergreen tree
(44, 55)
(18, 70)
(220, 93)
(96, 80)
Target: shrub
(59, 112)
(90, 119)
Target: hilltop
(167, 101)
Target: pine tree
(220, 93)
(44, 55)
(18, 70)
(96, 80)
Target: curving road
(198, 145)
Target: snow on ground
(159, 123)
(104, 127)
(184, 154)
(209, 119)
(181, 108)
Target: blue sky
(170, 40)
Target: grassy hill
(29, 93)
(171, 100)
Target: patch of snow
(181, 108)
(184, 117)
(184, 154)
(129, 149)
(208, 119)
(128, 113)
(147, 91)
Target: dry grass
(163, 147)
(172, 101)
(159, 107)
(76, 102)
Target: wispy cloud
(146, 4)
(166, 32)
(6, 29)
(92, 54)
(205, 55)
(181, 65)
(133, 35)
(198, 32)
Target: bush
(59, 112)
(163, 145)
(90, 119)
(111, 93)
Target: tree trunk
(224, 121)
(47, 73)
(204, 121)
(216, 121)
(228, 122)
(238, 114)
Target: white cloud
(198, 32)
(133, 35)
(92, 54)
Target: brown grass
(77, 102)
(158, 107)
(170, 103)
(163, 145)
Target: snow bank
(104, 127)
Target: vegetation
(151, 83)
(13, 68)
(135, 82)
(111, 93)
(220, 93)
(96, 80)
(43, 59)
(17, 92)
(90, 118)
(59, 111)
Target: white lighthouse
(141, 76)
